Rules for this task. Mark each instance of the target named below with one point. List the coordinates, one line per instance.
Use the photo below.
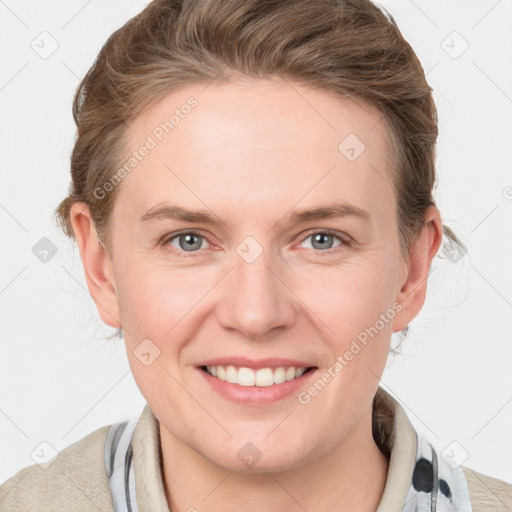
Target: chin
(256, 457)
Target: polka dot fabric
(436, 486)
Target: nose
(256, 299)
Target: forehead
(313, 118)
(263, 141)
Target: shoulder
(487, 493)
(75, 479)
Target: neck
(351, 476)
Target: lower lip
(256, 394)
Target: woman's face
(253, 281)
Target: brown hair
(343, 47)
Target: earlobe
(421, 253)
(97, 265)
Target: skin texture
(250, 153)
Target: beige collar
(397, 436)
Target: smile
(263, 377)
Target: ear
(421, 253)
(97, 265)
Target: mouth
(261, 377)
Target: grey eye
(322, 240)
(188, 241)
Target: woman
(220, 145)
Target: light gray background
(61, 379)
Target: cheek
(154, 314)
(347, 298)
(161, 310)
(355, 312)
(153, 299)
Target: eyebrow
(328, 211)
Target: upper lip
(269, 362)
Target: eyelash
(345, 242)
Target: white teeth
(279, 375)
(221, 373)
(231, 375)
(245, 377)
(264, 377)
(248, 377)
(290, 373)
